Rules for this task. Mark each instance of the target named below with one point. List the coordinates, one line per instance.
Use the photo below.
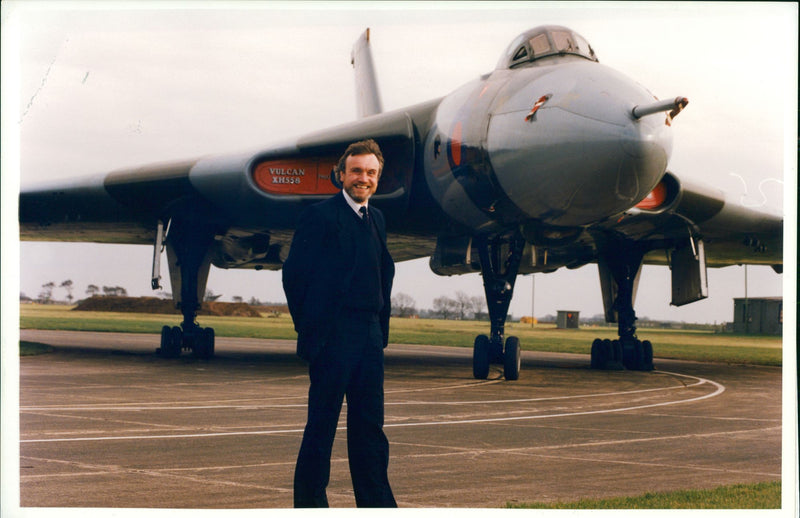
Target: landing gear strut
(500, 258)
(622, 262)
(187, 249)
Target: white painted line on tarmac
(241, 405)
(719, 390)
(167, 436)
(156, 406)
(700, 381)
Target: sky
(115, 85)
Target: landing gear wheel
(647, 355)
(204, 345)
(614, 355)
(597, 354)
(607, 351)
(165, 339)
(210, 336)
(480, 357)
(512, 358)
(607, 354)
(616, 352)
(177, 338)
(171, 341)
(607, 348)
(637, 356)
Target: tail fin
(368, 99)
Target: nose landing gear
(485, 353)
(500, 259)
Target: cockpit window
(540, 45)
(583, 46)
(563, 41)
(545, 41)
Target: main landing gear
(622, 263)
(189, 261)
(199, 340)
(500, 259)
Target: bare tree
(463, 305)
(403, 305)
(445, 307)
(211, 296)
(67, 285)
(478, 307)
(115, 291)
(46, 296)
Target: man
(338, 282)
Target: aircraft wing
(248, 201)
(731, 233)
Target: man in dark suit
(338, 283)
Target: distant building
(758, 316)
(568, 319)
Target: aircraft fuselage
(494, 158)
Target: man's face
(360, 177)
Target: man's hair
(362, 147)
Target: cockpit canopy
(545, 41)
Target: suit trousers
(349, 365)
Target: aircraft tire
(647, 355)
(597, 361)
(627, 357)
(204, 348)
(171, 341)
(616, 351)
(608, 353)
(512, 359)
(211, 340)
(165, 340)
(200, 344)
(480, 357)
(637, 360)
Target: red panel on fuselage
(295, 176)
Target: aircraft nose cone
(646, 145)
(581, 157)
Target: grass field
(667, 343)
(766, 495)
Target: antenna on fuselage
(368, 100)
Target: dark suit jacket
(319, 269)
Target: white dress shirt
(353, 205)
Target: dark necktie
(364, 214)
